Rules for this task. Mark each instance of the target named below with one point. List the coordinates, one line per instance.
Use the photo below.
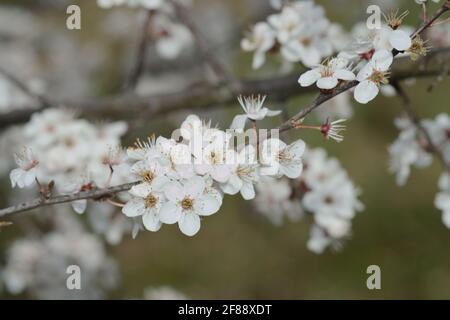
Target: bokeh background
(238, 253)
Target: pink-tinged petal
(206, 205)
(170, 213)
(133, 208)
(327, 83)
(400, 40)
(346, 75)
(189, 224)
(366, 91)
(151, 221)
(309, 77)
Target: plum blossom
(260, 40)
(372, 76)
(245, 174)
(254, 110)
(146, 202)
(186, 203)
(25, 175)
(280, 159)
(442, 199)
(327, 75)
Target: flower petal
(327, 83)
(151, 221)
(189, 224)
(309, 77)
(366, 91)
(170, 213)
(206, 205)
(400, 40)
(133, 208)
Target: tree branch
(200, 96)
(96, 194)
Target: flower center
(283, 156)
(328, 199)
(379, 77)
(150, 201)
(187, 203)
(147, 175)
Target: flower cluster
(56, 157)
(412, 148)
(323, 189)
(38, 267)
(170, 38)
(185, 177)
(300, 32)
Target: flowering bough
(183, 179)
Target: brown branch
(139, 65)
(203, 46)
(97, 194)
(200, 96)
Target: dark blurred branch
(203, 96)
(203, 46)
(141, 54)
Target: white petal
(309, 77)
(151, 221)
(79, 206)
(327, 83)
(400, 40)
(15, 176)
(133, 208)
(174, 191)
(292, 170)
(239, 121)
(189, 224)
(366, 91)
(346, 75)
(194, 187)
(258, 59)
(141, 190)
(170, 213)
(206, 205)
(382, 60)
(297, 148)
(248, 191)
(273, 113)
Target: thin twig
(96, 194)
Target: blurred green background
(238, 254)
